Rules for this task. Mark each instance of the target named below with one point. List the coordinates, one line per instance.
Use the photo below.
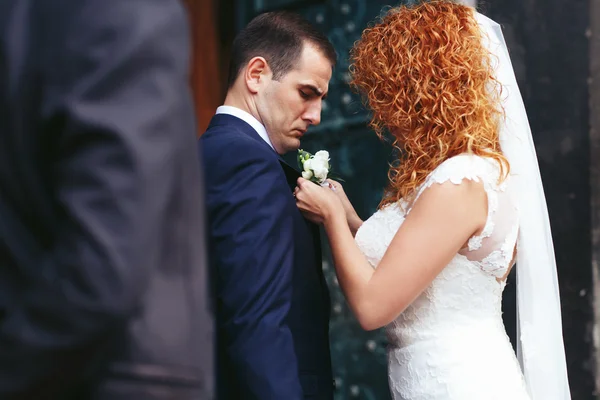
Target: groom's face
(290, 105)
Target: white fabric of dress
(450, 343)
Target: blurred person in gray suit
(103, 287)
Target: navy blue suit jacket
(272, 300)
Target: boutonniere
(315, 168)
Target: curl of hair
(428, 80)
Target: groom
(272, 300)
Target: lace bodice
(463, 303)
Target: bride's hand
(317, 203)
(354, 221)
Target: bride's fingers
(301, 182)
(334, 185)
(300, 198)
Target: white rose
(322, 155)
(307, 175)
(307, 165)
(320, 168)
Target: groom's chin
(291, 144)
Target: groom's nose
(313, 114)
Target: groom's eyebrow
(316, 91)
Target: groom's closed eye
(309, 92)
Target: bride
(465, 201)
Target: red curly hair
(426, 76)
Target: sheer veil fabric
(540, 342)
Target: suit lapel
(291, 174)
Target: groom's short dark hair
(279, 37)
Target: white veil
(539, 333)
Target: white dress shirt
(249, 119)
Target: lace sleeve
(461, 167)
(493, 246)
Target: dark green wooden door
(359, 358)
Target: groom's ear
(257, 71)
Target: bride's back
(458, 316)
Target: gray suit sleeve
(114, 100)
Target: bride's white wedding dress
(450, 343)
